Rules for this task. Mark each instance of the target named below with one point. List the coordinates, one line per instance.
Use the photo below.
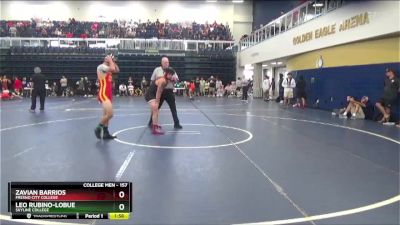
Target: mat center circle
(193, 136)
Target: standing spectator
(280, 94)
(212, 87)
(197, 86)
(220, 90)
(288, 84)
(5, 82)
(266, 86)
(39, 89)
(390, 92)
(85, 87)
(273, 87)
(18, 86)
(206, 87)
(301, 92)
(202, 84)
(13, 31)
(218, 85)
(24, 82)
(80, 86)
(192, 89)
(238, 85)
(63, 83)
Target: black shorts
(387, 102)
(301, 94)
(149, 96)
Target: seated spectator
(227, 89)
(357, 109)
(116, 29)
(123, 90)
(131, 89)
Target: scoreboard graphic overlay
(76, 200)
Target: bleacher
(83, 61)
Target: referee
(39, 89)
(168, 93)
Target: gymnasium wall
(383, 19)
(174, 11)
(354, 69)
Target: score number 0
(121, 206)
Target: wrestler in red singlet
(105, 91)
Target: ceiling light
(279, 63)
(273, 63)
(237, 1)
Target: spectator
(356, 109)
(5, 82)
(24, 82)
(389, 97)
(211, 92)
(238, 85)
(218, 85)
(123, 90)
(280, 94)
(202, 85)
(206, 88)
(227, 89)
(144, 84)
(116, 29)
(86, 86)
(63, 83)
(288, 84)
(131, 89)
(301, 92)
(93, 88)
(273, 87)
(18, 86)
(192, 89)
(197, 86)
(54, 89)
(266, 87)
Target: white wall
(108, 11)
(242, 19)
(383, 20)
